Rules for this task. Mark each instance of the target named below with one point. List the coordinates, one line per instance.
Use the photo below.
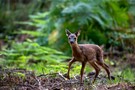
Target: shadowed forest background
(33, 38)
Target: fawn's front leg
(82, 70)
(69, 66)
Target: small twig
(62, 76)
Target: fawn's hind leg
(97, 69)
(106, 67)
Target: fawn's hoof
(112, 77)
(91, 73)
(66, 76)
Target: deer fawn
(84, 53)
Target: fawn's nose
(71, 42)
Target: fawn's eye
(74, 38)
(69, 38)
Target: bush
(30, 55)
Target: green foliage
(44, 27)
(32, 56)
(97, 37)
(125, 75)
(98, 23)
(11, 13)
(128, 75)
(88, 15)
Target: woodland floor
(19, 79)
(14, 80)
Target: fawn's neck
(76, 51)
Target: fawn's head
(72, 37)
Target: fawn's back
(91, 52)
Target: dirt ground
(18, 79)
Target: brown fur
(84, 53)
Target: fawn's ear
(77, 33)
(67, 32)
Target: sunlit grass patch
(125, 75)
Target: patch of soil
(18, 79)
